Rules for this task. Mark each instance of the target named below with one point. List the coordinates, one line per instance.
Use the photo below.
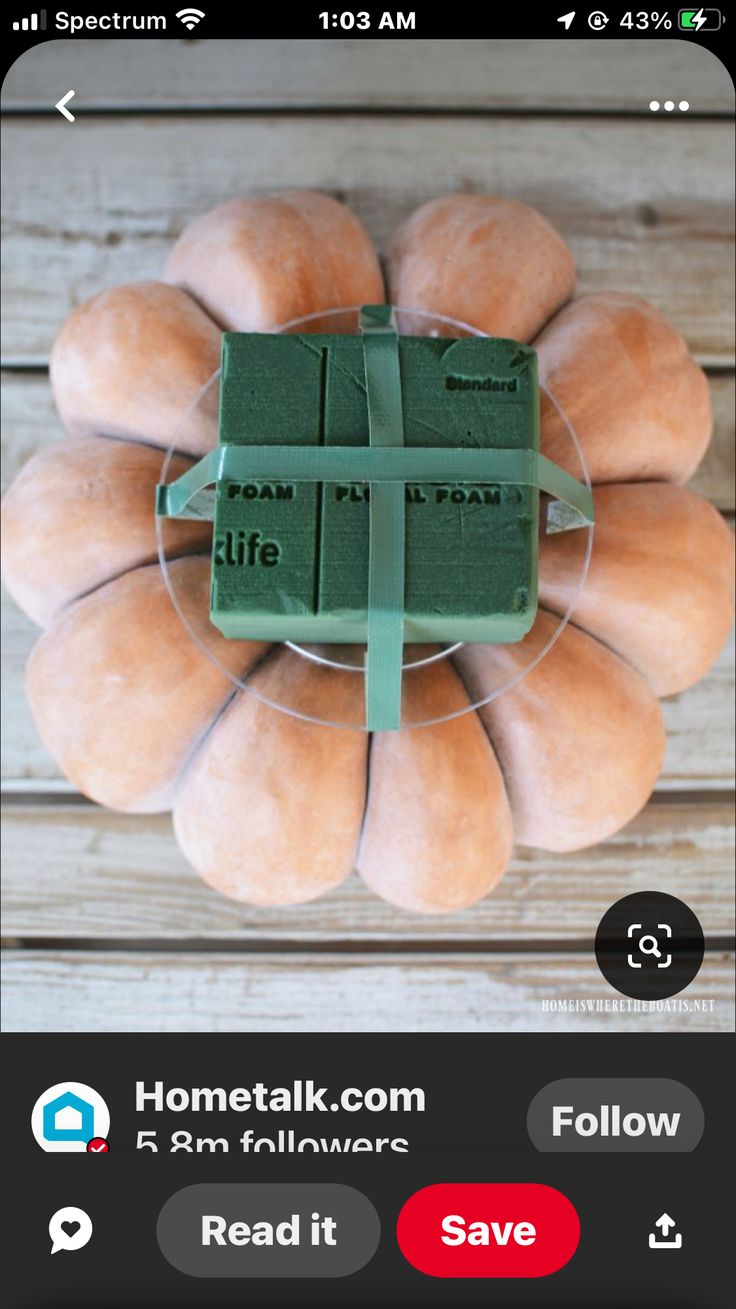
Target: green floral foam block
(290, 559)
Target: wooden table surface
(105, 926)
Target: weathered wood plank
(699, 722)
(30, 422)
(22, 752)
(477, 74)
(103, 202)
(82, 873)
(118, 992)
(715, 479)
(700, 734)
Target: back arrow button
(61, 106)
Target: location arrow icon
(567, 20)
(61, 106)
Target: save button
(488, 1229)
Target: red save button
(488, 1229)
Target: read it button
(488, 1229)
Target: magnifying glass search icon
(649, 945)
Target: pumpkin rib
(201, 741)
(176, 452)
(659, 590)
(368, 756)
(458, 670)
(493, 263)
(196, 300)
(92, 507)
(258, 263)
(418, 859)
(457, 666)
(125, 572)
(141, 689)
(270, 810)
(271, 652)
(580, 738)
(626, 382)
(131, 361)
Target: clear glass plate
(504, 667)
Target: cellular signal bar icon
(34, 23)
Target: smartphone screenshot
(367, 657)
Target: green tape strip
(235, 463)
(387, 520)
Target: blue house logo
(68, 1118)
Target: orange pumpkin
(274, 810)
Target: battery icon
(699, 20)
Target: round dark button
(649, 945)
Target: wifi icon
(190, 17)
